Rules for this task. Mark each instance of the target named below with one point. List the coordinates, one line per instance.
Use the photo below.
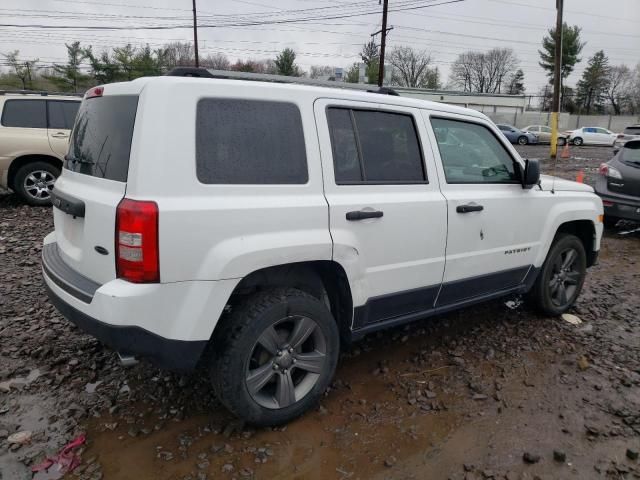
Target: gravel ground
(494, 391)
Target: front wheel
(522, 140)
(275, 356)
(578, 141)
(562, 275)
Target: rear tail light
(608, 171)
(620, 135)
(137, 249)
(607, 203)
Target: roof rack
(42, 93)
(263, 77)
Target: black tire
(239, 344)
(578, 141)
(543, 295)
(33, 182)
(610, 222)
(523, 140)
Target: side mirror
(531, 175)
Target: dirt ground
(490, 392)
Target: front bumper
(621, 206)
(167, 323)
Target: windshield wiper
(72, 159)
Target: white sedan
(592, 136)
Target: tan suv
(34, 137)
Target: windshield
(101, 140)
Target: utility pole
(557, 76)
(195, 34)
(383, 41)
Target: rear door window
(62, 114)
(249, 142)
(374, 147)
(24, 114)
(101, 140)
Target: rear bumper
(167, 323)
(624, 206)
(175, 355)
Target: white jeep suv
(266, 222)
(34, 137)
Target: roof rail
(264, 77)
(42, 93)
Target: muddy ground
(493, 391)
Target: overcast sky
(445, 30)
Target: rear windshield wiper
(72, 159)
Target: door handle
(469, 207)
(59, 135)
(363, 214)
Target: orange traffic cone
(580, 177)
(565, 151)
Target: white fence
(615, 123)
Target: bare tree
(411, 68)
(23, 69)
(483, 72)
(618, 87)
(319, 71)
(217, 61)
(178, 54)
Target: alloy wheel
(286, 362)
(565, 277)
(38, 184)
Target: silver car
(544, 134)
(632, 132)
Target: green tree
(571, 48)
(103, 67)
(124, 58)
(24, 70)
(516, 83)
(371, 58)
(145, 63)
(352, 74)
(592, 87)
(286, 63)
(69, 76)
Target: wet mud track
(493, 391)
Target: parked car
(618, 184)
(34, 137)
(631, 132)
(591, 136)
(544, 134)
(515, 135)
(266, 221)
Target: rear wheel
(578, 141)
(34, 182)
(562, 275)
(275, 356)
(522, 140)
(562, 141)
(610, 222)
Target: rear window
(62, 114)
(631, 153)
(249, 142)
(101, 139)
(632, 130)
(24, 114)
